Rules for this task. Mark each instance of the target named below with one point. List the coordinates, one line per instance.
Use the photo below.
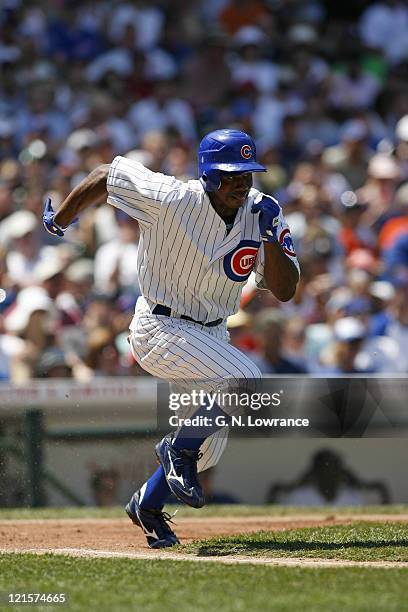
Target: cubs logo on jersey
(286, 242)
(239, 264)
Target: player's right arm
(90, 191)
(125, 184)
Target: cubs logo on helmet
(239, 264)
(246, 151)
(286, 242)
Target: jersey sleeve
(138, 191)
(286, 242)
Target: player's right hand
(48, 220)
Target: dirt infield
(118, 537)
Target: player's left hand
(268, 218)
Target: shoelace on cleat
(164, 519)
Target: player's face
(234, 188)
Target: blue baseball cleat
(180, 468)
(154, 523)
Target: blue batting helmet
(227, 151)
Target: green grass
(120, 584)
(359, 542)
(222, 511)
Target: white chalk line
(233, 560)
(231, 519)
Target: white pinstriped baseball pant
(177, 350)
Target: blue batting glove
(48, 220)
(268, 219)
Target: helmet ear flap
(211, 180)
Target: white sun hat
(28, 300)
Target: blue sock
(188, 443)
(200, 433)
(155, 491)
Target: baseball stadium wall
(57, 437)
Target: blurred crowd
(322, 87)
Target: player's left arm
(281, 273)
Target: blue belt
(165, 311)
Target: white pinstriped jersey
(187, 260)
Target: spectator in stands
(353, 233)
(237, 14)
(384, 25)
(207, 66)
(293, 343)
(33, 319)
(19, 234)
(103, 355)
(269, 330)
(380, 187)
(249, 65)
(52, 363)
(351, 157)
(352, 89)
(162, 111)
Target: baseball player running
(200, 241)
